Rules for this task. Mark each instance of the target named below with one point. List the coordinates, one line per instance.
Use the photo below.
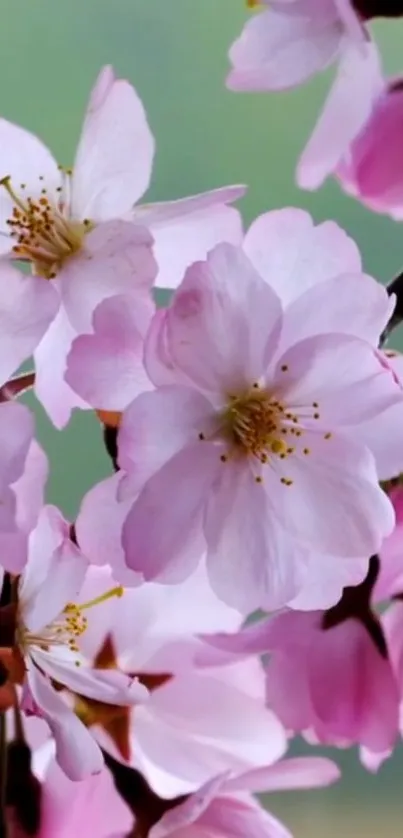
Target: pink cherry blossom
(78, 230)
(201, 718)
(49, 622)
(260, 436)
(334, 675)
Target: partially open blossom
(45, 652)
(77, 228)
(331, 674)
(259, 435)
(371, 167)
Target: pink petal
(116, 259)
(114, 157)
(28, 492)
(334, 503)
(235, 818)
(185, 230)
(287, 774)
(245, 543)
(145, 444)
(206, 705)
(347, 108)
(99, 529)
(28, 306)
(54, 572)
(374, 176)
(355, 695)
(53, 392)
(213, 308)
(157, 359)
(382, 434)
(107, 685)
(16, 434)
(76, 751)
(277, 50)
(94, 801)
(325, 578)
(293, 255)
(343, 375)
(339, 301)
(162, 540)
(26, 160)
(106, 368)
(187, 812)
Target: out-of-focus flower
(260, 434)
(336, 675)
(288, 42)
(201, 718)
(371, 167)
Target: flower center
(43, 233)
(254, 424)
(66, 629)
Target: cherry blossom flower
(222, 806)
(78, 230)
(45, 648)
(288, 42)
(201, 718)
(335, 675)
(259, 435)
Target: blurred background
(174, 52)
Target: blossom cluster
(255, 432)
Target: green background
(174, 51)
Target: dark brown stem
(3, 775)
(394, 287)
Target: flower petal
(26, 160)
(251, 561)
(185, 230)
(348, 380)
(76, 751)
(224, 306)
(278, 50)
(51, 389)
(287, 774)
(347, 108)
(340, 303)
(293, 255)
(334, 504)
(16, 434)
(99, 529)
(114, 157)
(106, 368)
(116, 259)
(27, 307)
(156, 426)
(162, 540)
(54, 572)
